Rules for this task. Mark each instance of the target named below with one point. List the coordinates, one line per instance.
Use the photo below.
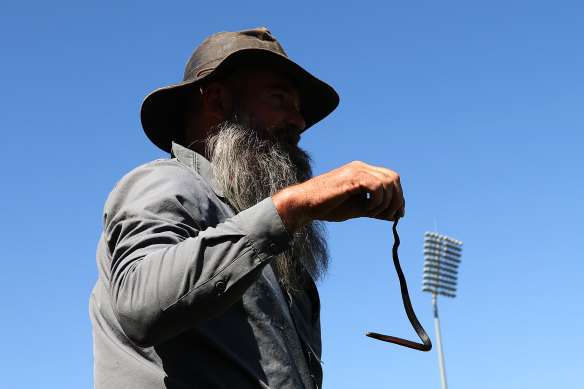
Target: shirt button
(275, 248)
(221, 286)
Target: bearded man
(208, 260)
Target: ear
(217, 101)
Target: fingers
(385, 200)
(378, 198)
(392, 212)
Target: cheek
(267, 118)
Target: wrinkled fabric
(186, 296)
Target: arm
(173, 265)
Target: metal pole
(439, 341)
(441, 260)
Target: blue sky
(478, 106)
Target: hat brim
(162, 112)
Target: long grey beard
(250, 165)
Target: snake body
(427, 344)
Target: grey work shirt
(185, 298)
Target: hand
(351, 191)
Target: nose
(295, 120)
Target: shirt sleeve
(176, 259)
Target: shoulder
(158, 177)
(169, 171)
(159, 187)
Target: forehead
(265, 78)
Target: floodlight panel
(442, 249)
(433, 272)
(439, 292)
(440, 281)
(437, 255)
(432, 236)
(453, 246)
(440, 263)
(438, 286)
(439, 268)
(444, 263)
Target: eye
(278, 96)
(284, 96)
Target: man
(207, 269)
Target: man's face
(273, 103)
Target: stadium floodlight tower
(441, 260)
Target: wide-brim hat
(162, 112)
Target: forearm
(289, 204)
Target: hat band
(203, 70)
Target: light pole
(442, 257)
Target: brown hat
(218, 56)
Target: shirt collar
(198, 163)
